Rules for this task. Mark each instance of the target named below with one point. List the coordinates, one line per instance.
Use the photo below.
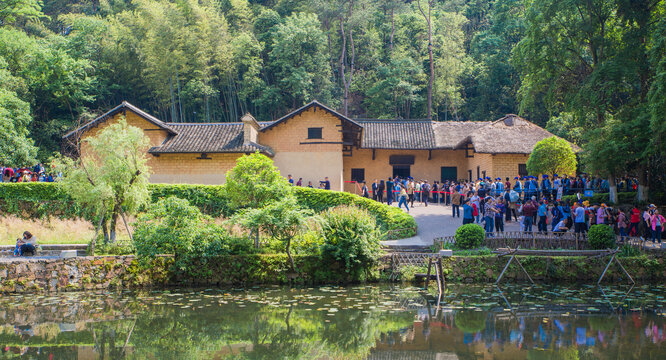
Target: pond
(356, 322)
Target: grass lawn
(52, 231)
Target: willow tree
(111, 175)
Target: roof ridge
(215, 123)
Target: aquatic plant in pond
(339, 322)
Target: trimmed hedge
(38, 200)
(598, 198)
(392, 219)
(601, 237)
(470, 236)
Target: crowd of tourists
(535, 203)
(26, 174)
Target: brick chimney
(250, 129)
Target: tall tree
(111, 175)
(431, 79)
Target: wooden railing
(535, 240)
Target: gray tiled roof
(397, 134)
(122, 107)
(208, 138)
(416, 134)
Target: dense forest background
(592, 71)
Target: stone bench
(49, 250)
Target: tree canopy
(552, 156)
(577, 66)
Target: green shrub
(601, 237)
(350, 237)
(173, 226)
(112, 249)
(470, 321)
(38, 200)
(469, 236)
(389, 218)
(209, 199)
(598, 198)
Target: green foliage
(16, 149)
(350, 237)
(390, 219)
(37, 200)
(254, 182)
(299, 60)
(173, 226)
(469, 236)
(598, 198)
(113, 249)
(111, 176)
(210, 199)
(601, 237)
(552, 156)
(281, 219)
(470, 321)
(13, 10)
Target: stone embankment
(23, 275)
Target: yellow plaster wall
(187, 169)
(310, 159)
(506, 165)
(483, 161)
(423, 169)
(152, 131)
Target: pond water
(357, 322)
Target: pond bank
(126, 272)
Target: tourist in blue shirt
(580, 226)
(543, 216)
(468, 213)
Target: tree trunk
(392, 30)
(291, 259)
(612, 190)
(105, 230)
(114, 221)
(346, 82)
(432, 64)
(643, 188)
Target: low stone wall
(480, 269)
(122, 272)
(80, 273)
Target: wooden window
(358, 175)
(449, 173)
(522, 170)
(401, 160)
(402, 171)
(478, 172)
(314, 133)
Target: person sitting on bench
(26, 245)
(562, 226)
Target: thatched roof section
(449, 133)
(510, 134)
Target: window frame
(319, 129)
(355, 175)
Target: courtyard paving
(434, 221)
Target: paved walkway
(435, 221)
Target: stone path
(434, 221)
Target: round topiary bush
(470, 321)
(601, 237)
(469, 236)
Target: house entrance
(403, 171)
